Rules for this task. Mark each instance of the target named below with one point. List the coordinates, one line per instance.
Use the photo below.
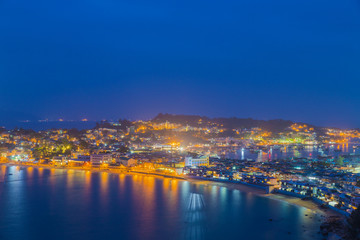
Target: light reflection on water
(287, 152)
(195, 218)
(61, 204)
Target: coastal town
(296, 159)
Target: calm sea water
(286, 153)
(68, 204)
(39, 126)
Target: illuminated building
(127, 161)
(59, 160)
(196, 162)
(80, 161)
(98, 159)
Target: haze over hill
(273, 125)
(11, 119)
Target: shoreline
(308, 204)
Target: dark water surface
(68, 204)
(312, 151)
(40, 126)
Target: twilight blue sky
(297, 60)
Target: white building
(98, 159)
(196, 162)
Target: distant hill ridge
(276, 125)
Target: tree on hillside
(339, 161)
(83, 144)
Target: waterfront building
(197, 162)
(255, 178)
(80, 161)
(298, 188)
(127, 162)
(84, 158)
(98, 159)
(59, 160)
